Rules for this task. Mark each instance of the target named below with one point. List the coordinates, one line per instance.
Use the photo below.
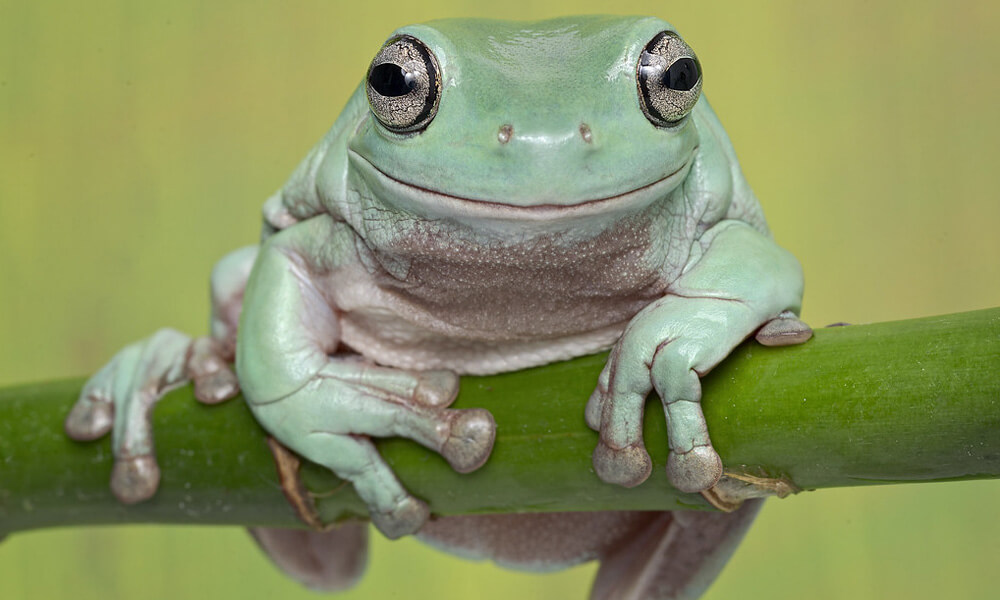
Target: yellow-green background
(137, 141)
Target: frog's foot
(398, 521)
(329, 421)
(665, 348)
(674, 556)
(736, 281)
(784, 330)
(121, 396)
(326, 561)
(419, 400)
(616, 410)
(391, 508)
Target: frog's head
(528, 121)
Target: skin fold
(494, 196)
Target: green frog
(495, 196)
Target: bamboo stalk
(906, 401)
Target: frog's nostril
(505, 133)
(548, 139)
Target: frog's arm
(324, 406)
(120, 397)
(736, 280)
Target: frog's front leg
(121, 396)
(737, 281)
(324, 406)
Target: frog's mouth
(434, 203)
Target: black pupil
(682, 75)
(390, 80)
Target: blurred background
(138, 140)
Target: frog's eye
(669, 79)
(404, 84)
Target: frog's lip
(433, 201)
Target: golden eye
(669, 79)
(404, 85)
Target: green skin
(540, 215)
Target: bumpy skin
(540, 215)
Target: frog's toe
(784, 330)
(595, 405)
(89, 419)
(695, 470)
(135, 478)
(216, 387)
(615, 409)
(436, 389)
(628, 466)
(407, 517)
(213, 378)
(471, 439)
(592, 414)
(93, 414)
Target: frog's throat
(432, 203)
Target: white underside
(472, 357)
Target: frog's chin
(438, 204)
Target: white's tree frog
(494, 196)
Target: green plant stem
(906, 401)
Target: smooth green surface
(138, 142)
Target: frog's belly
(438, 296)
(537, 542)
(504, 332)
(389, 340)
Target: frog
(496, 195)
